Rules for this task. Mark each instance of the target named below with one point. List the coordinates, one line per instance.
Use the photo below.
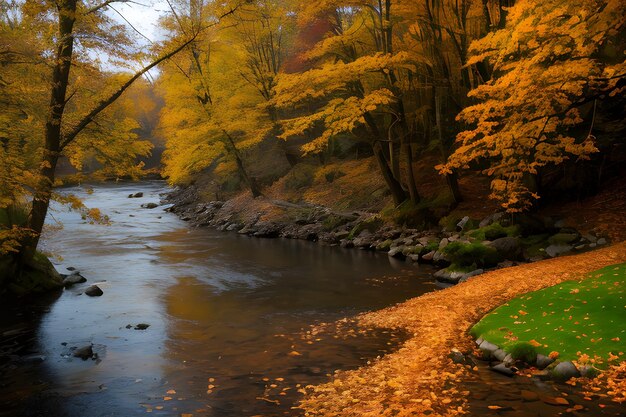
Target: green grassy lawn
(586, 316)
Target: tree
(63, 37)
(229, 72)
(552, 58)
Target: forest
(460, 135)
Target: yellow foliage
(545, 68)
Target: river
(228, 315)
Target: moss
(467, 254)
(523, 351)
(372, 224)
(575, 316)
(433, 245)
(333, 221)
(494, 231)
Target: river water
(228, 315)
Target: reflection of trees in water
(258, 353)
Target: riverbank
(420, 378)
(464, 244)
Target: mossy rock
(372, 225)
(384, 246)
(468, 254)
(563, 238)
(494, 231)
(39, 277)
(333, 221)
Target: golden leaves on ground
(419, 378)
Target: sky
(143, 15)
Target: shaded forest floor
(420, 379)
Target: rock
(479, 341)
(588, 371)
(384, 246)
(73, 279)
(429, 256)
(142, 326)
(138, 195)
(94, 291)
(413, 257)
(457, 357)
(601, 241)
(150, 205)
(502, 369)
(439, 258)
(556, 250)
(396, 252)
(233, 227)
(346, 243)
(593, 245)
(499, 354)
(443, 243)
(490, 219)
(488, 348)
(565, 370)
(529, 396)
(590, 238)
(267, 230)
(508, 360)
(563, 238)
(247, 230)
(543, 361)
(508, 247)
(461, 224)
(364, 240)
(71, 268)
(448, 276)
(84, 353)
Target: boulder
(601, 241)
(84, 353)
(443, 243)
(150, 205)
(543, 361)
(384, 246)
(565, 370)
(452, 277)
(499, 354)
(429, 256)
(558, 249)
(508, 247)
(563, 238)
(73, 279)
(94, 291)
(396, 252)
(141, 326)
(488, 348)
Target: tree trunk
(52, 148)
(393, 184)
(252, 184)
(452, 178)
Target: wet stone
(94, 291)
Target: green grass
(587, 316)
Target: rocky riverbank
(461, 247)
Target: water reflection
(226, 314)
